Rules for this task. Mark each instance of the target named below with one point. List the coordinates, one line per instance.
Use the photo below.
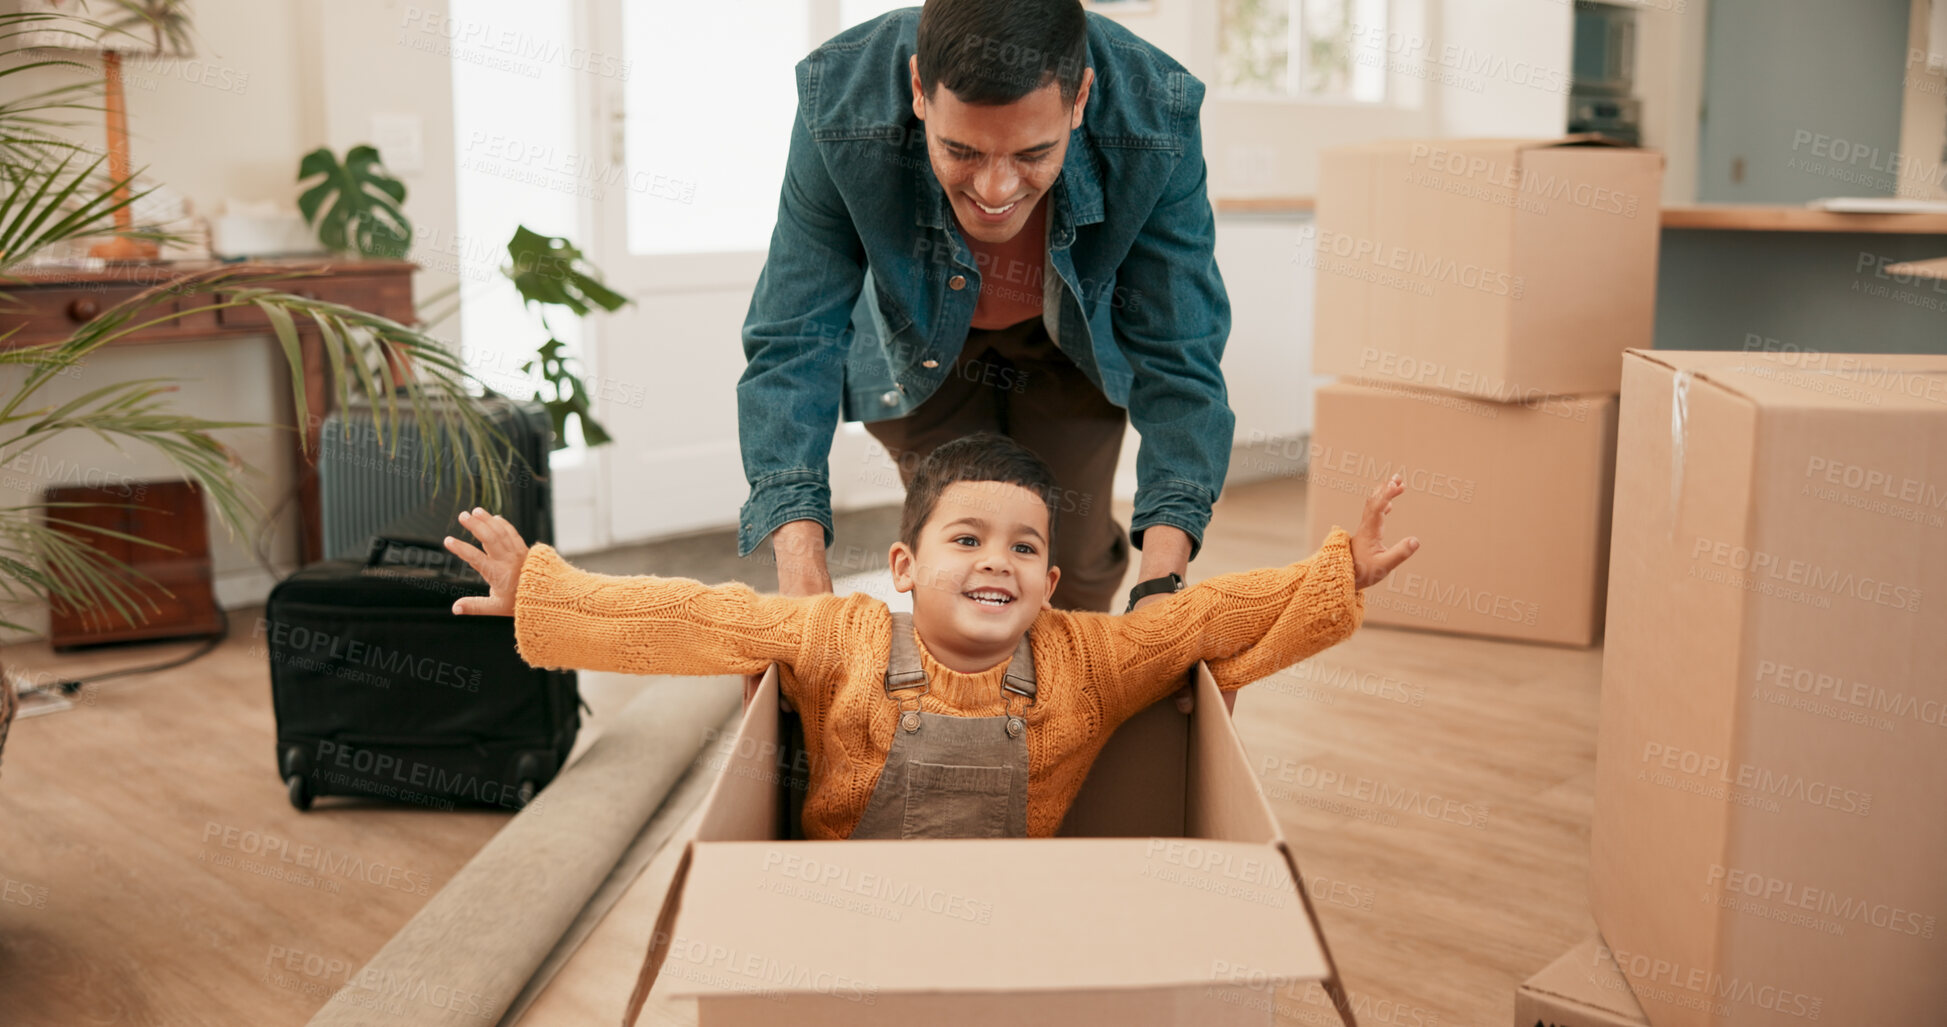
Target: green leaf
(355, 206)
(549, 269)
(570, 396)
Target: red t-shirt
(1010, 272)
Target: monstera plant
(53, 190)
(355, 206)
(550, 271)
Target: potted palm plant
(53, 191)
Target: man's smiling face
(997, 161)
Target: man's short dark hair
(994, 52)
(982, 456)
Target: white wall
(1460, 67)
(1505, 66)
(1923, 112)
(1670, 38)
(268, 83)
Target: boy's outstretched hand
(500, 564)
(1371, 560)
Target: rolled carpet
(464, 957)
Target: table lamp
(114, 28)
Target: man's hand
(500, 564)
(799, 548)
(1371, 560)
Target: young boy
(979, 714)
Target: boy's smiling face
(980, 573)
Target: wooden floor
(152, 872)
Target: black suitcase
(380, 689)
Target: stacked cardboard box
(1584, 988)
(1478, 296)
(1770, 838)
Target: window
(515, 164)
(708, 108)
(709, 104)
(1332, 50)
(851, 12)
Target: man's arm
(1172, 317)
(794, 340)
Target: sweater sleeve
(1246, 625)
(643, 624)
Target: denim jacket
(855, 316)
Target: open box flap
(986, 915)
(1229, 802)
(990, 915)
(739, 805)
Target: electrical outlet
(401, 139)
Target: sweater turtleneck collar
(976, 694)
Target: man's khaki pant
(1016, 382)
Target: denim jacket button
(929, 363)
(890, 399)
(957, 282)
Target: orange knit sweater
(1094, 670)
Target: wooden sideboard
(47, 305)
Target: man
(993, 217)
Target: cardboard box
(1510, 502)
(1503, 268)
(1583, 988)
(1769, 845)
(1171, 898)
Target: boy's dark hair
(994, 52)
(982, 456)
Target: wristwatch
(1171, 582)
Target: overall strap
(903, 668)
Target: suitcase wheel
(526, 769)
(300, 792)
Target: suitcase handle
(382, 544)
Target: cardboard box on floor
(1503, 268)
(1170, 899)
(1769, 845)
(1510, 503)
(1583, 988)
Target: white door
(693, 132)
(517, 81)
